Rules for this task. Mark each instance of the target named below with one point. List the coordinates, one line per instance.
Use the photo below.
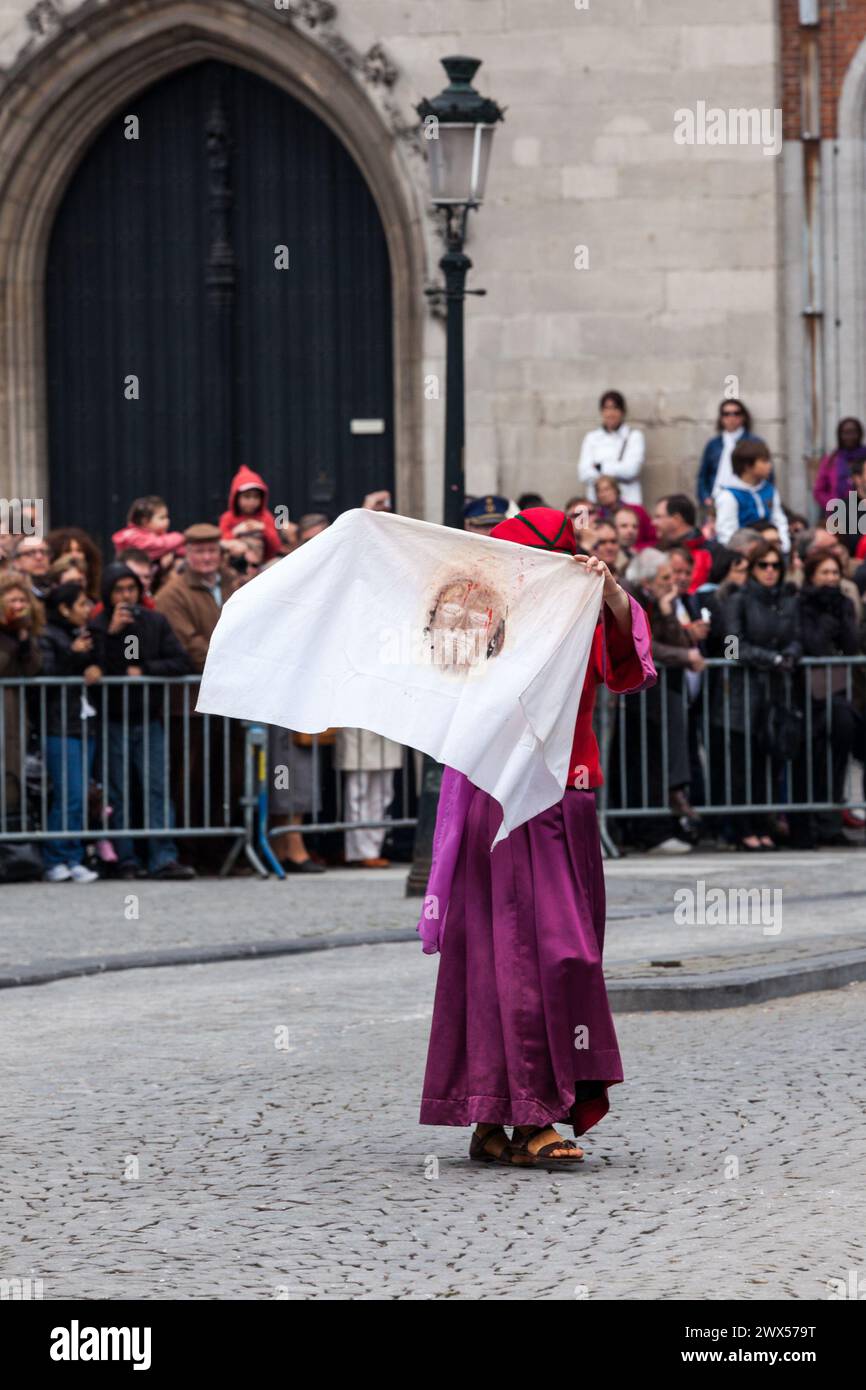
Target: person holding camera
(133, 641)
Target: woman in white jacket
(615, 449)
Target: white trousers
(366, 796)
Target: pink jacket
(154, 546)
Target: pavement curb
(721, 989)
(731, 989)
(48, 971)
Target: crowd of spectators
(732, 577)
(110, 745)
(728, 575)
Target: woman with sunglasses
(762, 624)
(734, 423)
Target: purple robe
(522, 1031)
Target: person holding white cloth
(616, 450)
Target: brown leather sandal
(522, 1156)
(481, 1154)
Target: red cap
(543, 528)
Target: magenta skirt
(522, 1031)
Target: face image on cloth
(466, 623)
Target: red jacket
(624, 672)
(244, 478)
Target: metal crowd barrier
(213, 773)
(654, 743)
(215, 777)
(182, 741)
(319, 821)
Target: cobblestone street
(162, 1142)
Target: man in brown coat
(191, 600)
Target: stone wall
(681, 292)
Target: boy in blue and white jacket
(752, 497)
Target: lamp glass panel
(459, 160)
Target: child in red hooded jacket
(248, 512)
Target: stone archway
(55, 105)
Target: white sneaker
(58, 873)
(79, 874)
(672, 846)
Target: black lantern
(459, 125)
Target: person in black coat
(68, 740)
(829, 626)
(763, 642)
(655, 723)
(730, 570)
(134, 641)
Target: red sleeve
(860, 552)
(624, 667)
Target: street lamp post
(459, 124)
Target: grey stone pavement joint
(52, 932)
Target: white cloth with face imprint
(472, 649)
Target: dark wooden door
(178, 347)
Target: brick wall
(841, 32)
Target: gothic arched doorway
(182, 341)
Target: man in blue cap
(483, 513)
